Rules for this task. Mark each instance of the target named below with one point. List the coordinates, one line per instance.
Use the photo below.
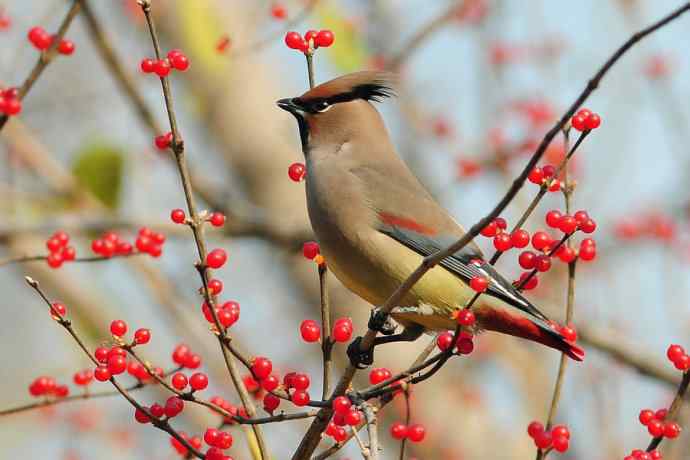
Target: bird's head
(338, 109)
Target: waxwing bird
(375, 222)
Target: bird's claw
(381, 322)
(358, 358)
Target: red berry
(140, 416)
(147, 65)
(310, 249)
(578, 122)
(655, 428)
(479, 283)
(671, 430)
(543, 440)
(297, 172)
(54, 260)
(163, 141)
(58, 308)
(342, 332)
(674, 352)
(216, 258)
(53, 244)
(536, 176)
(278, 11)
(271, 402)
(553, 218)
(398, 430)
(682, 363)
(180, 354)
(340, 434)
(379, 374)
(198, 381)
(661, 414)
(416, 432)
(117, 364)
(310, 331)
(295, 41)
(270, 383)
(540, 240)
(177, 216)
(10, 106)
(215, 286)
(217, 219)
(192, 361)
(342, 405)
(179, 61)
(646, 416)
(66, 47)
(161, 67)
(353, 417)
(84, 377)
(519, 238)
(300, 398)
(465, 346)
(501, 223)
(324, 39)
(444, 341)
(560, 443)
(179, 381)
(40, 38)
(142, 336)
(534, 429)
(592, 121)
(542, 263)
(560, 431)
(310, 35)
(567, 224)
(490, 230)
(262, 367)
(587, 251)
(300, 381)
(173, 406)
(69, 253)
(212, 436)
(465, 317)
(502, 242)
(527, 260)
(588, 226)
(118, 328)
(566, 254)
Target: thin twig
(196, 224)
(310, 67)
(160, 424)
(371, 420)
(674, 408)
(403, 443)
(45, 57)
(326, 342)
(24, 259)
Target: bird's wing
(466, 264)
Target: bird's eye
(322, 106)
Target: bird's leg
(382, 322)
(361, 359)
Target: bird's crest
(367, 85)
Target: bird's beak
(290, 106)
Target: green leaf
(99, 168)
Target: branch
(311, 439)
(196, 224)
(371, 421)
(46, 57)
(326, 341)
(24, 259)
(673, 409)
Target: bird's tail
(514, 322)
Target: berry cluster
(176, 60)
(147, 242)
(676, 354)
(228, 313)
(47, 386)
(311, 40)
(653, 225)
(42, 41)
(557, 437)
(545, 176)
(344, 414)
(656, 423)
(464, 344)
(230, 408)
(639, 454)
(172, 408)
(198, 381)
(183, 356)
(218, 441)
(414, 433)
(297, 172)
(58, 251)
(9, 101)
(585, 120)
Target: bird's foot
(381, 322)
(359, 358)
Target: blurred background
(481, 82)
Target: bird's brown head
(336, 109)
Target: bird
(374, 222)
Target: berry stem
(47, 56)
(310, 67)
